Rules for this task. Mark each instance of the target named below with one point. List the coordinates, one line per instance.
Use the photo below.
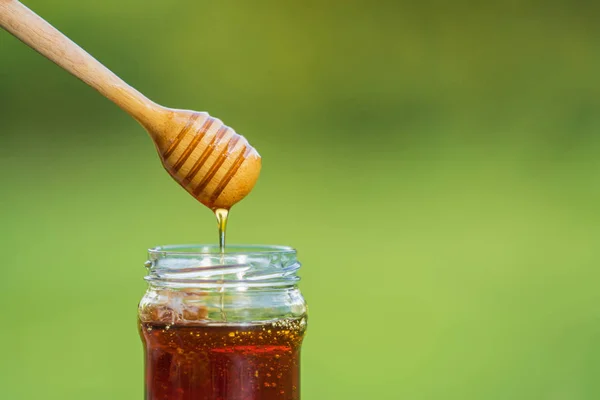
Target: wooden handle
(48, 41)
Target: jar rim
(204, 266)
(212, 249)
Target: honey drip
(222, 214)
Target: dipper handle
(38, 34)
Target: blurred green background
(436, 164)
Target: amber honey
(258, 361)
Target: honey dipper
(212, 162)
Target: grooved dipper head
(207, 158)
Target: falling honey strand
(222, 216)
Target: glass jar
(222, 326)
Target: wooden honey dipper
(212, 162)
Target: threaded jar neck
(205, 267)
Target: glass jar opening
(204, 266)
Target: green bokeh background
(436, 164)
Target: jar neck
(239, 268)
